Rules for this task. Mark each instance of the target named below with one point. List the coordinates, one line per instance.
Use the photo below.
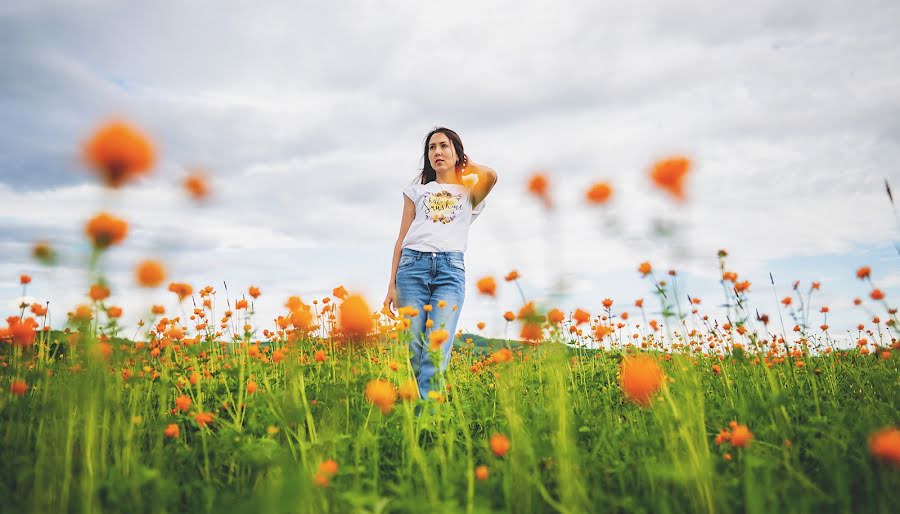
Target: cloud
(311, 117)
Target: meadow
(209, 409)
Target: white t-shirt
(443, 215)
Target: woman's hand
(390, 301)
(471, 173)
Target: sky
(311, 117)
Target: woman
(428, 266)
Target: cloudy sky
(311, 119)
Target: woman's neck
(447, 178)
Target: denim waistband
(417, 253)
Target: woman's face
(441, 153)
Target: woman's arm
(487, 177)
(409, 213)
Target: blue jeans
(426, 278)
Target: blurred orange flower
(382, 394)
(339, 292)
(181, 289)
(197, 185)
(885, 445)
(645, 268)
(105, 230)
(640, 378)
(487, 285)
(22, 331)
(18, 387)
(355, 316)
(150, 273)
(668, 175)
(183, 403)
(538, 186)
(581, 316)
(203, 418)
(740, 436)
(512, 275)
(436, 338)
(499, 444)
(599, 193)
(172, 431)
(118, 153)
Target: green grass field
(92, 432)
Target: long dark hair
(428, 174)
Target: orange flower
(320, 356)
(172, 431)
(355, 316)
(581, 316)
(24, 279)
(480, 325)
(197, 185)
(82, 313)
(877, 294)
(18, 387)
(537, 184)
(150, 273)
(786, 301)
(499, 444)
(607, 303)
(114, 312)
(339, 292)
(436, 338)
(382, 394)
(863, 272)
(885, 445)
(204, 418)
(531, 331)
(181, 289)
(409, 391)
(240, 304)
(481, 473)
(252, 387)
(501, 355)
(641, 377)
(38, 309)
(158, 309)
(512, 275)
(98, 292)
(668, 175)
(486, 285)
(328, 468)
(601, 331)
(321, 480)
(741, 287)
(599, 193)
(22, 331)
(645, 268)
(183, 403)
(555, 316)
(254, 292)
(509, 316)
(740, 436)
(44, 253)
(118, 153)
(105, 230)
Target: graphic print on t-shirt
(442, 206)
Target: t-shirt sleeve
(478, 208)
(410, 192)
